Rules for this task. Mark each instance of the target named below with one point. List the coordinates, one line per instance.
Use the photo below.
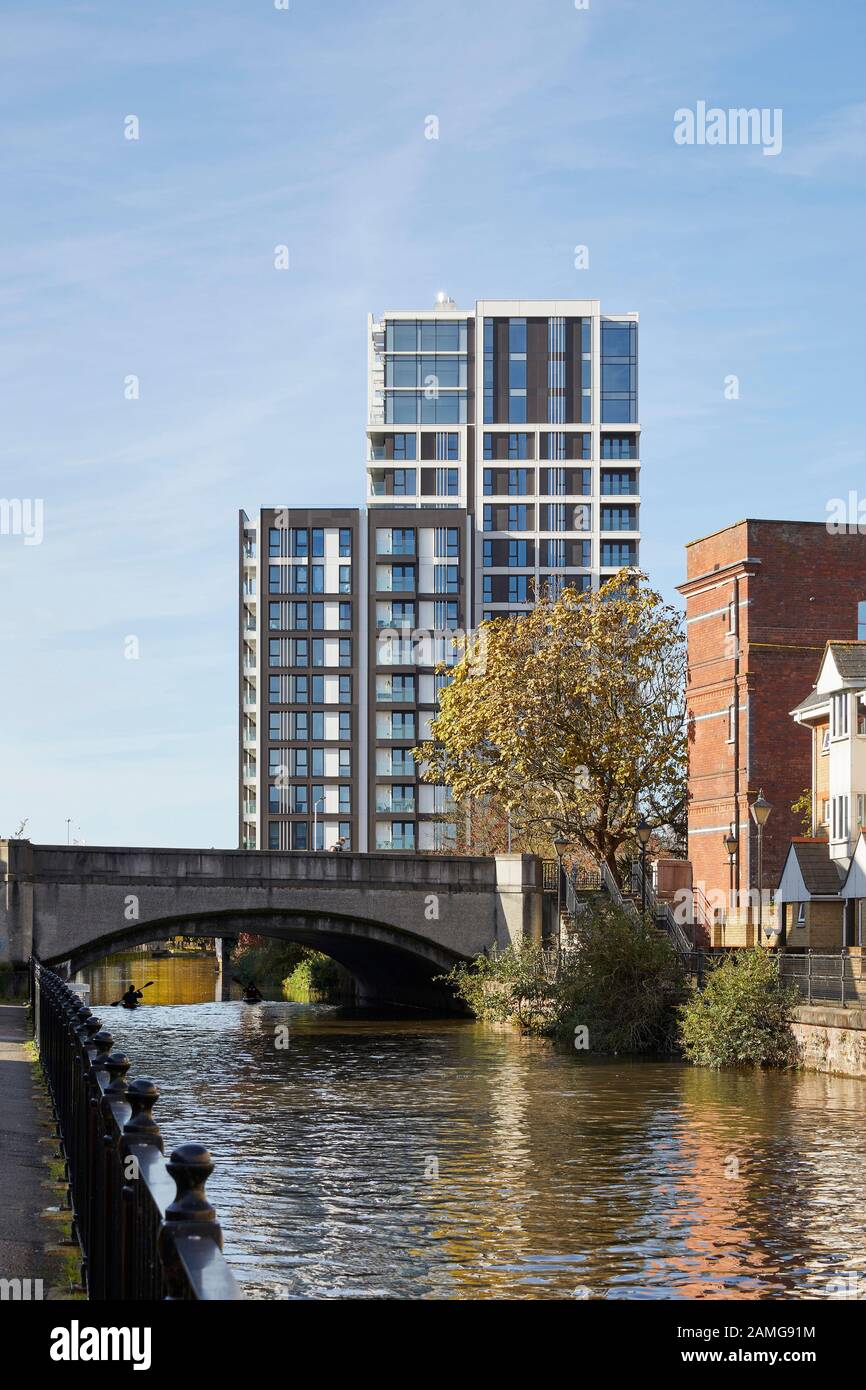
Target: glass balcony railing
(404, 843)
(395, 806)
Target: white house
(823, 886)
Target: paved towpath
(22, 1126)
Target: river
(437, 1158)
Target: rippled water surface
(443, 1159)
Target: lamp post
(761, 809)
(559, 844)
(316, 805)
(644, 831)
(731, 847)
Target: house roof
(850, 659)
(822, 875)
(812, 701)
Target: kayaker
(252, 993)
(131, 997)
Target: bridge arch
(395, 921)
(389, 963)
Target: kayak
(124, 1005)
(245, 1000)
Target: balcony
(396, 842)
(389, 583)
(395, 805)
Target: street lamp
(560, 844)
(316, 805)
(731, 847)
(761, 809)
(644, 831)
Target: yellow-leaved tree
(571, 716)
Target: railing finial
(142, 1095)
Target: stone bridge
(395, 921)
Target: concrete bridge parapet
(387, 914)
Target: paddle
(115, 1002)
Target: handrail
(615, 893)
(662, 911)
(844, 981)
(146, 1227)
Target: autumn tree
(571, 717)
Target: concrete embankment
(832, 1039)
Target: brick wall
(797, 586)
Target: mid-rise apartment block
(762, 600)
(502, 460)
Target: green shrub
(623, 982)
(507, 988)
(742, 1017)
(314, 975)
(619, 979)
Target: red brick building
(762, 598)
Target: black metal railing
(145, 1227)
(586, 880)
(835, 978)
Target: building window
(618, 446)
(840, 716)
(345, 617)
(618, 554)
(861, 621)
(447, 482)
(404, 482)
(801, 913)
(618, 519)
(618, 372)
(405, 446)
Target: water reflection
(439, 1158)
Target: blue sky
(305, 127)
